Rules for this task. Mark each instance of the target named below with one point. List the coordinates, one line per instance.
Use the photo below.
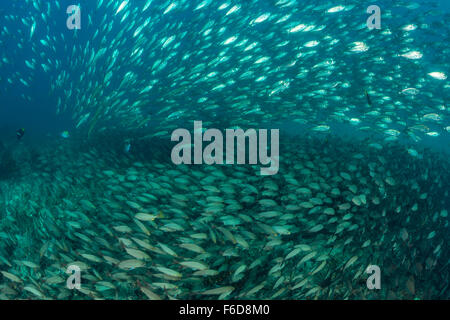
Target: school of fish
(140, 227)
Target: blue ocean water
(37, 111)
